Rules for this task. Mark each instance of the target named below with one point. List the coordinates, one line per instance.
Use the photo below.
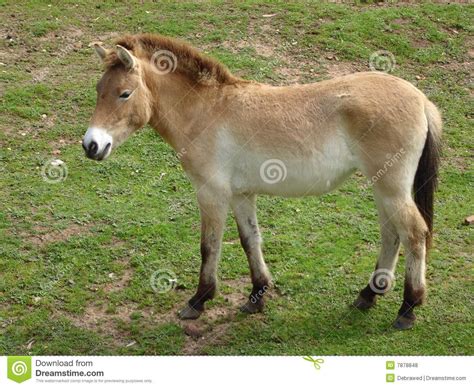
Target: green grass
(76, 257)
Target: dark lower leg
(411, 299)
(256, 301)
(366, 299)
(380, 283)
(415, 285)
(211, 236)
(206, 288)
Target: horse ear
(126, 57)
(101, 52)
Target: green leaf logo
(19, 368)
(316, 361)
(390, 378)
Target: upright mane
(192, 64)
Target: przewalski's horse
(237, 139)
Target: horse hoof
(189, 313)
(363, 304)
(403, 323)
(251, 308)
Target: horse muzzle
(97, 143)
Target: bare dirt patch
(108, 36)
(420, 43)
(119, 282)
(337, 69)
(261, 47)
(210, 333)
(58, 145)
(459, 67)
(469, 42)
(459, 162)
(42, 235)
(209, 329)
(262, 36)
(326, 68)
(96, 318)
(400, 21)
(213, 325)
(264, 49)
(289, 74)
(34, 130)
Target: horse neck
(178, 108)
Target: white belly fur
(248, 171)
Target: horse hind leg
(413, 233)
(382, 278)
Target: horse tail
(426, 177)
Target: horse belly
(319, 172)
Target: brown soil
(209, 329)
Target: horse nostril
(93, 147)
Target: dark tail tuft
(426, 177)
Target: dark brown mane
(196, 66)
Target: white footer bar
(229, 372)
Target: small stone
(193, 330)
(57, 162)
(469, 220)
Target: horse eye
(125, 94)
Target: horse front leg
(213, 208)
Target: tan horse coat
(237, 139)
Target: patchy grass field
(77, 256)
